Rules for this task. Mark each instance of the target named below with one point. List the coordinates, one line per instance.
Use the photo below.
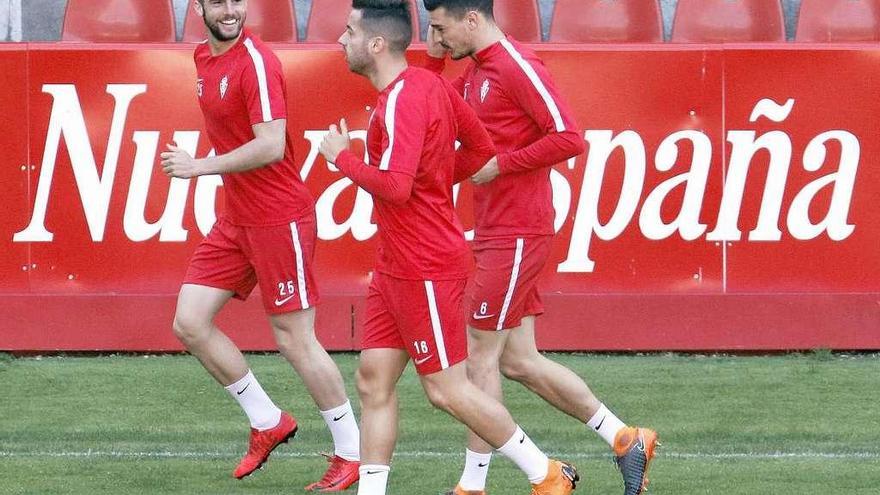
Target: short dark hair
(389, 18)
(459, 8)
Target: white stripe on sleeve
(260, 68)
(537, 83)
(390, 109)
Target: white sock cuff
(476, 470)
(373, 468)
(527, 456)
(235, 387)
(262, 413)
(477, 456)
(606, 424)
(518, 434)
(336, 412)
(374, 479)
(597, 418)
(343, 427)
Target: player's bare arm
(267, 147)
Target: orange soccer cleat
(634, 449)
(561, 479)
(461, 491)
(262, 443)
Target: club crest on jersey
(484, 91)
(224, 85)
(200, 85)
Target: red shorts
(425, 318)
(505, 287)
(279, 258)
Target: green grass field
(800, 424)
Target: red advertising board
(724, 201)
(14, 172)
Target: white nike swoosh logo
(282, 301)
(641, 445)
(483, 317)
(419, 362)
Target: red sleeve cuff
(503, 163)
(346, 159)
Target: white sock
(527, 456)
(606, 424)
(261, 411)
(476, 468)
(344, 429)
(374, 479)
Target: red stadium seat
(713, 21)
(839, 20)
(604, 21)
(119, 21)
(328, 17)
(271, 20)
(520, 19)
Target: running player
(267, 236)
(532, 127)
(415, 301)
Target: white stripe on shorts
(300, 267)
(514, 275)
(435, 325)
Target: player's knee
(518, 370)
(362, 383)
(370, 388)
(289, 345)
(438, 397)
(478, 372)
(189, 330)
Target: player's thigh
(446, 386)
(197, 305)
(282, 257)
(379, 370)
(485, 347)
(521, 343)
(383, 357)
(295, 328)
(505, 282)
(430, 318)
(219, 262)
(380, 330)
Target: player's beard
(458, 54)
(359, 62)
(216, 31)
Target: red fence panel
(822, 224)
(669, 235)
(15, 263)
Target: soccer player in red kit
(267, 236)
(415, 300)
(532, 128)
